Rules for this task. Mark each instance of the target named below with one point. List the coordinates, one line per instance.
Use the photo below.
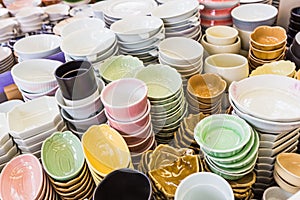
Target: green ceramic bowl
(222, 135)
(62, 156)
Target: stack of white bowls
(31, 19)
(168, 105)
(7, 59)
(181, 18)
(118, 9)
(139, 36)
(8, 149)
(32, 122)
(183, 54)
(57, 12)
(276, 120)
(90, 44)
(35, 78)
(8, 29)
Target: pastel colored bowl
(62, 156)
(221, 35)
(267, 55)
(282, 67)
(288, 167)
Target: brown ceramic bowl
(259, 62)
(268, 38)
(268, 55)
(288, 167)
(207, 88)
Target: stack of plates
(139, 37)
(7, 59)
(168, 105)
(57, 12)
(204, 93)
(32, 122)
(63, 149)
(8, 150)
(104, 150)
(31, 19)
(8, 29)
(24, 178)
(183, 54)
(119, 9)
(181, 18)
(229, 144)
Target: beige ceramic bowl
(289, 167)
(221, 35)
(268, 38)
(282, 67)
(267, 55)
(207, 88)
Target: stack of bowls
(267, 44)
(204, 93)
(293, 52)
(165, 92)
(182, 54)
(221, 39)
(24, 178)
(229, 144)
(92, 44)
(282, 67)
(35, 78)
(98, 8)
(277, 125)
(217, 12)
(117, 67)
(128, 111)
(8, 30)
(245, 22)
(33, 121)
(294, 25)
(57, 12)
(31, 19)
(181, 18)
(8, 150)
(37, 46)
(105, 150)
(140, 36)
(118, 9)
(286, 172)
(63, 149)
(7, 59)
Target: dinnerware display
(9, 28)
(24, 178)
(181, 18)
(7, 59)
(177, 53)
(293, 52)
(105, 150)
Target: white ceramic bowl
(275, 193)
(221, 35)
(245, 38)
(37, 46)
(35, 76)
(6, 106)
(180, 50)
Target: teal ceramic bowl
(62, 156)
(222, 135)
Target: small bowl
(207, 88)
(275, 193)
(282, 67)
(295, 47)
(37, 46)
(294, 25)
(221, 35)
(62, 156)
(284, 185)
(288, 168)
(267, 54)
(268, 38)
(295, 14)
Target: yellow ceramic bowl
(267, 55)
(282, 67)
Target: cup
(77, 82)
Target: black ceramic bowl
(295, 14)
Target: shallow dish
(282, 67)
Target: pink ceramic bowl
(216, 22)
(132, 126)
(125, 99)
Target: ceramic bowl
(37, 46)
(221, 35)
(245, 38)
(248, 17)
(208, 129)
(207, 88)
(275, 192)
(288, 168)
(217, 5)
(216, 49)
(282, 67)
(178, 67)
(125, 99)
(203, 183)
(230, 67)
(295, 14)
(267, 55)
(167, 81)
(60, 150)
(296, 45)
(117, 67)
(284, 185)
(268, 38)
(189, 52)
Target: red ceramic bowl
(216, 13)
(209, 23)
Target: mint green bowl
(222, 135)
(62, 156)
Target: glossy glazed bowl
(221, 35)
(282, 67)
(267, 55)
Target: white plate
(122, 8)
